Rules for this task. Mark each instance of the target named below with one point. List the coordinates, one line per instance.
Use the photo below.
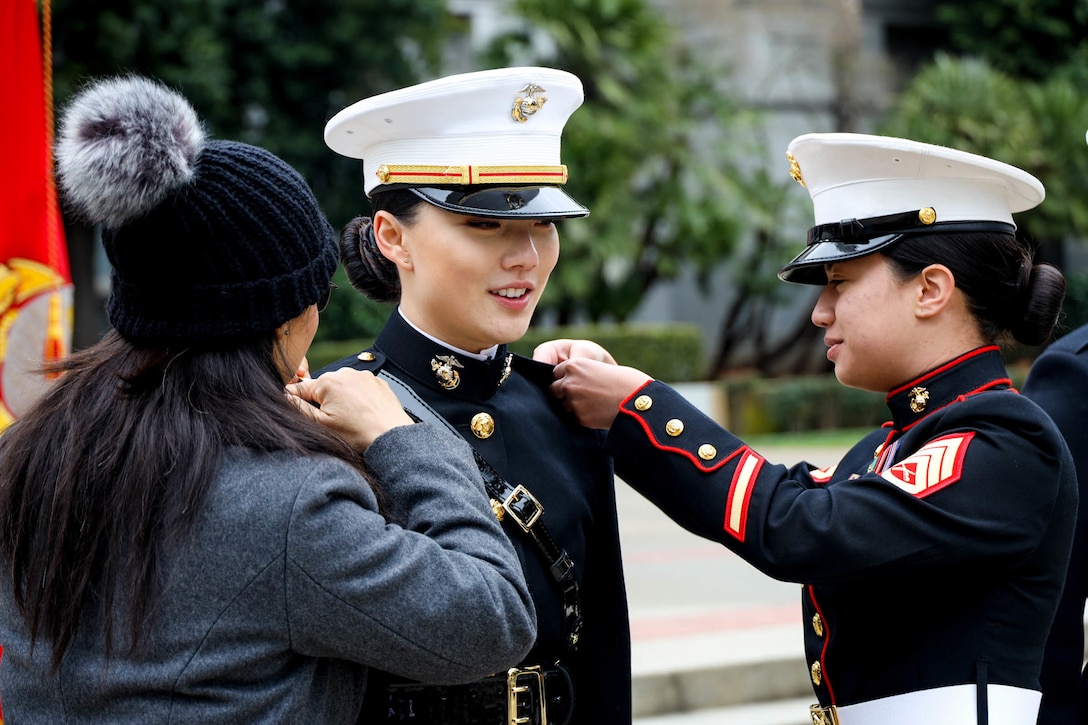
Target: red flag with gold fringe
(35, 282)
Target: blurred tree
(648, 152)
(1027, 38)
(1038, 126)
(270, 73)
(767, 324)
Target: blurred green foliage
(967, 104)
(1075, 309)
(1026, 38)
(268, 73)
(673, 353)
(803, 403)
(649, 152)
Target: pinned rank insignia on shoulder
(935, 465)
(747, 470)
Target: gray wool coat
(290, 587)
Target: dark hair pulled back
(1007, 292)
(367, 268)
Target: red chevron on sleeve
(740, 492)
(937, 464)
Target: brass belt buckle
(508, 505)
(514, 690)
(823, 715)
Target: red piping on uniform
(730, 499)
(878, 464)
(653, 439)
(960, 399)
(951, 364)
(827, 641)
(957, 464)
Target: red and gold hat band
(469, 175)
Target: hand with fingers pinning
(355, 404)
(594, 390)
(554, 352)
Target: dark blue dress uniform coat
(1058, 382)
(535, 443)
(932, 555)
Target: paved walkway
(713, 639)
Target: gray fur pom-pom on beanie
(208, 239)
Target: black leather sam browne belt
(524, 695)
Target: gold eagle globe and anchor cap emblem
(444, 367)
(795, 169)
(528, 102)
(919, 397)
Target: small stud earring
(406, 260)
(286, 331)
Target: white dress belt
(953, 705)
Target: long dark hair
(1008, 293)
(367, 269)
(113, 465)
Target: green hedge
(673, 353)
(791, 405)
(754, 406)
(322, 353)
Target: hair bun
(124, 145)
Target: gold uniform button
(366, 356)
(643, 402)
(482, 425)
(674, 427)
(707, 452)
(818, 625)
(817, 673)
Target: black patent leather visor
(853, 238)
(509, 202)
(808, 266)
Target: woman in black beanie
(183, 541)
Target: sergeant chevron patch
(740, 492)
(935, 465)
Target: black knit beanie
(208, 240)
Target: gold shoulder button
(366, 356)
(707, 452)
(818, 625)
(674, 427)
(643, 402)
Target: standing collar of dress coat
(973, 372)
(415, 354)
